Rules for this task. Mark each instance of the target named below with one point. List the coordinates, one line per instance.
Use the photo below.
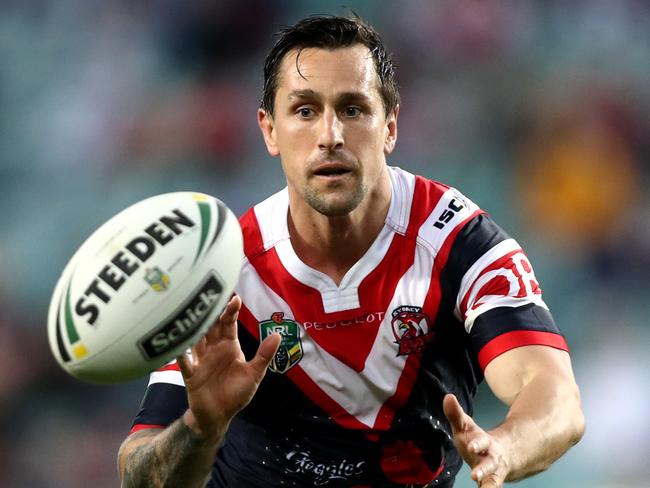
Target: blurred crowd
(538, 110)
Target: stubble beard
(334, 207)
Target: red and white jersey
(363, 366)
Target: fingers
(479, 445)
(454, 413)
(231, 311)
(475, 446)
(185, 365)
(226, 324)
(265, 353)
(484, 471)
(490, 475)
(490, 482)
(199, 348)
(489, 467)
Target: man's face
(330, 127)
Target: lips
(331, 169)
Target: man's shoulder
(424, 191)
(265, 222)
(430, 208)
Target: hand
(484, 454)
(218, 379)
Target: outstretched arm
(544, 420)
(175, 456)
(219, 383)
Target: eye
(305, 112)
(352, 111)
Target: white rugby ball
(144, 287)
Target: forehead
(349, 68)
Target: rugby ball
(144, 287)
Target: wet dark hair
(330, 32)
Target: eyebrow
(302, 94)
(346, 97)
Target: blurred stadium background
(537, 110)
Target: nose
(330, 135)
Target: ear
(265, 123)
(391, 131)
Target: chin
(334, 208)
(335, 204)
(336, 211)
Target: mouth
(331, 170)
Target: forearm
(543, 422)
(174, 457)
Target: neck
(333, 245)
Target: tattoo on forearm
(139, 470)
(178, 459)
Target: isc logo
(447, 214)
(185, 322)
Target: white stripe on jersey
(403, 184)
(444, 219)
(473, 281)
(360, 394)
(173, 376)
(167, 376)
(273, 213)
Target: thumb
(490, 482)
(454, 413)
(265, 353)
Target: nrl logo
(411, 329)
(290, 351)
(158, 280)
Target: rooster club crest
(290, 351)
(411, 329)
(156, 278)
